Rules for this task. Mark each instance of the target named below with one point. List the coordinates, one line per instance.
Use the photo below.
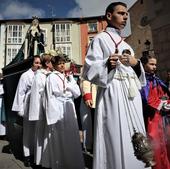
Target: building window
(44, 32)
(92, 27)
(12, 50)
(14, 34)
(144, 21)
(15, 38)
(65, 49)
(62, 32)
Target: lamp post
(147, 48)
(147, 45)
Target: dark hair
(56, 59)
(144, 59)
(45, 58)
(34, 57)
(112, 6)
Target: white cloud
(87, 8)
(17, 10)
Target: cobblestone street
(11, 155)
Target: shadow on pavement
(15, 145)
(7, 149)
(15, 140)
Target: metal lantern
(143, 149)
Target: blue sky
(25, 9)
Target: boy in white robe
(37, 105)
(21, 105)
(118, 104)
(62, 131)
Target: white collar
(44, 71)
(57, 72)
(111, 29)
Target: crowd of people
(121, 96)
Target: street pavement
(12, 160)
(7, 159)
(11, 154)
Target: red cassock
(157, 130)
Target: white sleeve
(34, 106)
(18, 103)
(54, 108)
(73, 87)
(95, 68)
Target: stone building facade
(141, 30)
(158, 17)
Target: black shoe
(27, 161)
(2, 137)
(7, 149)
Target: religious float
(32, 45)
